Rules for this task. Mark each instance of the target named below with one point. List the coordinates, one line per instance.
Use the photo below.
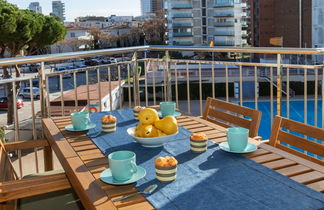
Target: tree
(52, 32)
(96, 36)
(154, 31)
(21, 30)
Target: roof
(76, 28)
(93, 92)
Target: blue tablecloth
(212, 180)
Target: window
(203, 12)
(203, 3)
(72, 34)
(204, 30)
(204, 21)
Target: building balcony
(181, 6)
(224, 14)
(182, 15)
(244, 24)
(183, 43)
(182, 24)
(117, 87)
(224, 4)
(224, 43)
(224, 33)
(179, 34)
(224, 24)
(244, 33)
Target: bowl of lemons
(152, 131)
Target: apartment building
(198, 22)
(151, 7)
(35, 6)
(58, 8)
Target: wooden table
(83, 162)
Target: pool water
(296, 113)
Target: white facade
(98, 25)
(35, 6)
(146, 7)
(58, 8)
(198, 22)
(116, 19)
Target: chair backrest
(7, 171)
(287, 133)
(229, 114)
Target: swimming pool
(296, 113)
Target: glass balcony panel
(181, 6)
(182, 24)
(223, 3)
(224, 33)
(183, 43)
(182, 15)
(227, 23)
(182, 34)
(225, 43)
(224, 14)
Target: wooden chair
(227, 114)
(280, 134)
(47, 189)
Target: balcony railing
(179, 34)
(182, 15)
(181, 80)
(181, 6)
(224, 14)
(224, 33)
(182, 24)
(224, 24)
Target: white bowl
(150, 142)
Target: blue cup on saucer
(122, 165)
(80, 120)
(167, 108)
(237, 138)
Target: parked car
(80, 66)
(105, 61)
(70, 67)
(25, 92)
(92, 62)
(4, 103)
(61, 68)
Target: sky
(77, 8)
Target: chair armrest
(22, 145)
(17, 189)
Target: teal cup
(122, 165)
(237, 138)
(167, 108)
(80, 120)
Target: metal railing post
(136, 80)
(168, 77)
(279, 67)
(43, 92)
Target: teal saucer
(249, 148)
(106, 177)
(71, 128)
(175, 114)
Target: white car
(25, 92)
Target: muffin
(108, 123)
(166, 169)
(198, 142)
(136, 110)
